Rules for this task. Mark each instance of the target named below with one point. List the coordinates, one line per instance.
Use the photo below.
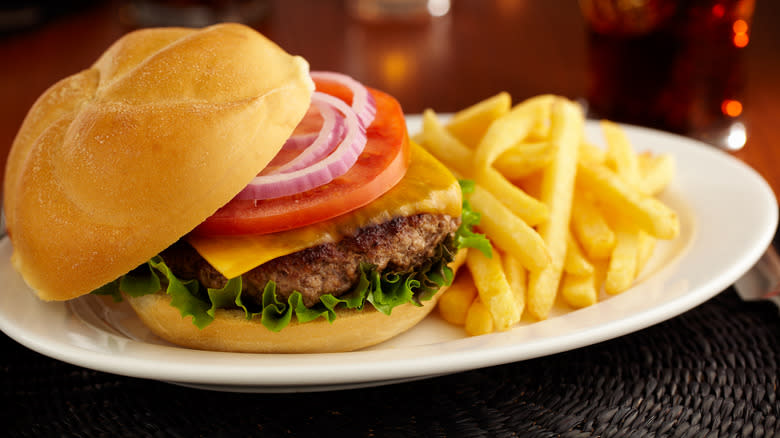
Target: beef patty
(400, 244)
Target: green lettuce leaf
(225, 297)
(465, 237)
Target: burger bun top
(117, 162)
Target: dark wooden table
(479, 48)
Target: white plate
(728, 217)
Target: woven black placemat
(711, 372)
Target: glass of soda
(674, 65)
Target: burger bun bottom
(231, 331)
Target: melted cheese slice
(427, 187)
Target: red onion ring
(324, 143)
(343, 157)
(363, 102)
(300, 141)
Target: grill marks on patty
(400, 244)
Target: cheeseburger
(238, 201)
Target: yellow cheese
(427, 187)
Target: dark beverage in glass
(675, 65)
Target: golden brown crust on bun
(102, 175)
(231, 331)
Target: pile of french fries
(564, 217)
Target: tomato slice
(381, 166)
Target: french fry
(443, 145)
(656, 172)
(579, 290)
(517, 278)
(590, 228)
(557, 191)
(469, 124)
(591, 152)
(600, 268)
(576, 263)
(508, 130)
(493, 288)
(509, 232)
(622, 267)
(529, 209)
(524, 159)
(646, 247)
(582, 291)
(620, 152)
(648, 213)
(479, 321)
(543, 109)
(454, 302)
(532, 184)
(455, 155)
(594, 209)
